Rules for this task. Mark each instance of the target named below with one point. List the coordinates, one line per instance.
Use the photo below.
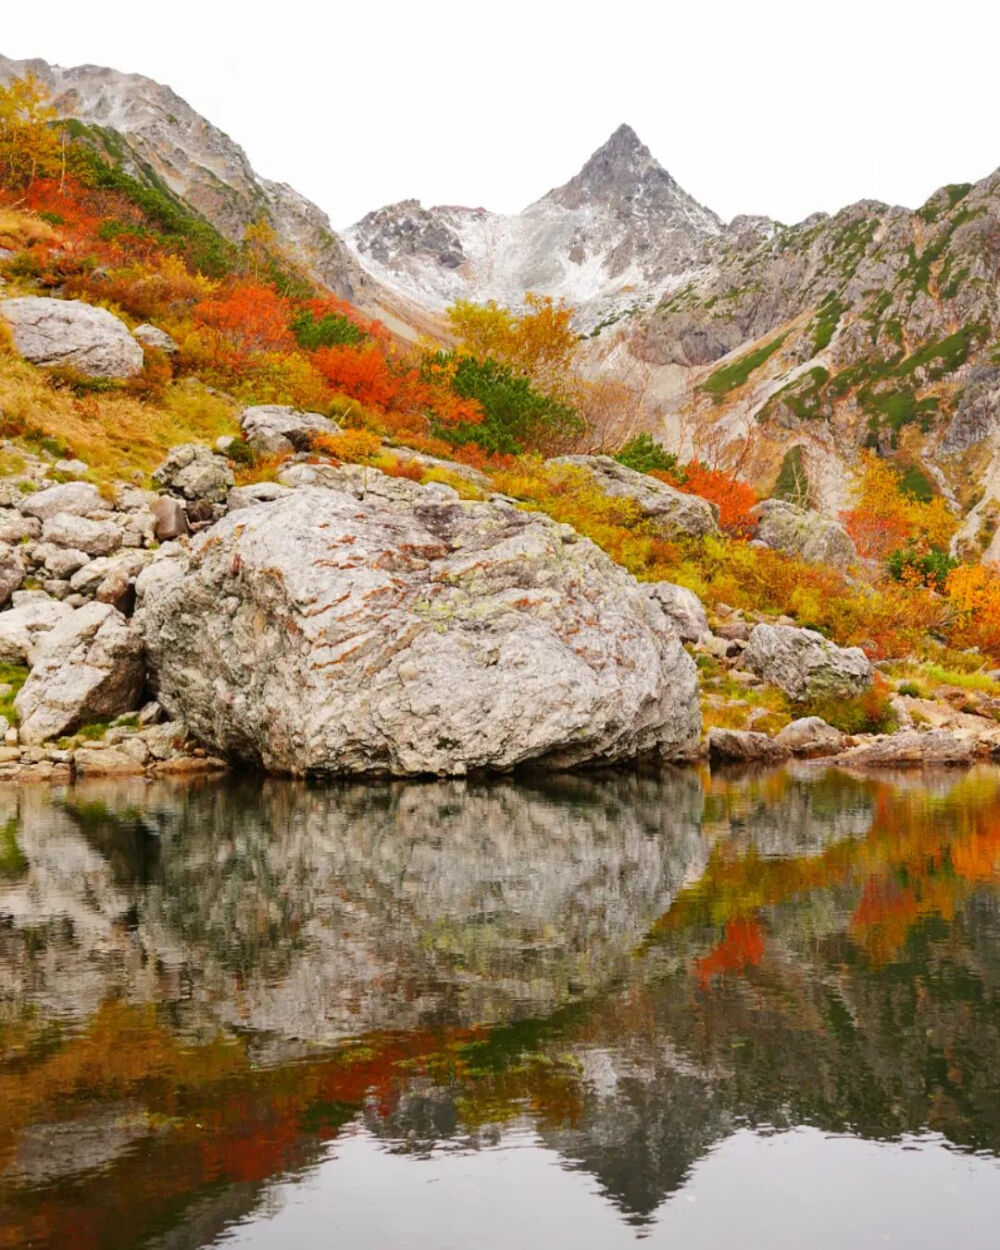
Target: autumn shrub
(887, 518)
(973, 593)
(917, 567)
(869, 713)
(350, 446)
(733, 497)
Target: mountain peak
(624, 178)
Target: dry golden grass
(118, 435)
(19, 230)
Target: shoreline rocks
(804, 664)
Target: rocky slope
(158, 138)
(615, 236)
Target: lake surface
(691, 1011)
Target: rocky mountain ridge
(157, 137)
(615, 236)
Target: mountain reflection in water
(267, 1013)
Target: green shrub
(930, 567)
(331, 330)
(645, 455)
(793, 481)
(517, 417)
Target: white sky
(778, 106)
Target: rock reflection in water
(630, 968)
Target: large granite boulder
(89, 666)
(670, 511)
(72, 335)
(323, 634)
(274, 428)
(804, 533)
(804, 664)
(196, 473)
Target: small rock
(152, 336)
(96, 538)
(195, 472)
(88, 666)
(72, 468)
(274, 428)
(810, 736)
(73, 498)
(169, 518)
(743, 746)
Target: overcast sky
(780, 107)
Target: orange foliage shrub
(733, 497)
(246, 320)
(973, 592)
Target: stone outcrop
(274, 428)
(88, 666)
(805, 533)
(325, 634)
(670, 511)
(682, 608)
(23, 626)
(804, 664)
(72, 335)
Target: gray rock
(96, 538)
(152, 336)
(195, 472)
(15, 528)
(682, 608)
(60, 562)
(73, 498)
(169, 518)
(805, 533)
(257, 492)
(810, 736)
(11, 573)
(89, 665)
(323, 634)
(73, 468)
(743, 746)
(804, 664)
(671, 511)
(72, 334)
(88, 578)
(273, 428)
(913, 749)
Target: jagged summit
(614, 235)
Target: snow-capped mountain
(616, 235)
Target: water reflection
(202, 986)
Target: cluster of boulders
(339, 620)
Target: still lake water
(677, 1010)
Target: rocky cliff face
(157, 134)
(615, 236)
